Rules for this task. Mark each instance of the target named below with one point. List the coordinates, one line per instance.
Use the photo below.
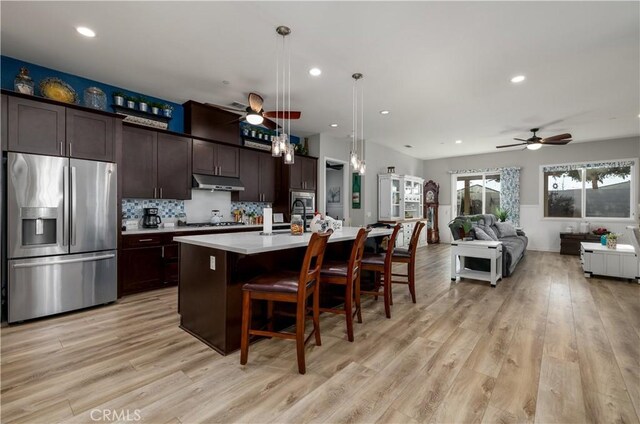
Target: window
(589, 190)
(477, 194)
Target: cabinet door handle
(161, 192)
(61, 149)
(163, 252)
(143, 240)
(154, 193)
(70, 150)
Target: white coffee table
(491, 250)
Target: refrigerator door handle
(64, 261)
(65, 209)
(73, 205)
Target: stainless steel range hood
(214, 183)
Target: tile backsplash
(167, 208)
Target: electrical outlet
(212, 263)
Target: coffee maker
(151, 219)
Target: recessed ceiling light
(315, 71)
(384, 112)
(518, 78)
(458, 141)
(334, 125)
(408, 146)
(87, 32)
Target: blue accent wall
(9, 68)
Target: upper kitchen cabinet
(210, 122)
(174, 167)
(90, 135)
(258, 175)
(3, 124)
(139, 163)
(155, 165)
(215, 159)
(35, 127)
(303, 173)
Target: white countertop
(252, 242)
(179, 229)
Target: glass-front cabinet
(399, 197)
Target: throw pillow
(480, 234)
(505, 229)
(487, 229)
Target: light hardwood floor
(545, 346)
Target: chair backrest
(391, 246)
(312, 261)
(415, 236)
(357, 251)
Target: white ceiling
(442, 69)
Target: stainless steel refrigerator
(62, 234)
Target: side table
(491, 250)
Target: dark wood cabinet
(174, 167)
(90, 135)
(155, 165)
(35, 127)
(148, 262)
(210, 122)
(267, 177)
(303, 174)
(228, 161)
(141, 269)
(215, 159)
(3, 124)
(203, 161)
(258, 173)
(570, 242)
(139, 163)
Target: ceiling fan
(535, 142)
(255, 114)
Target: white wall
(377, 157)
(543, 233)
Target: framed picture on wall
(334, 195)
(355, 191)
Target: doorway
(336, 188)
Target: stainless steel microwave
(307, 198)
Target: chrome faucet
(304, 213)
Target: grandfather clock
(431, 191)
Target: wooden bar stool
(291, 287)
(380, 263)
(347, 274)
(408, 256)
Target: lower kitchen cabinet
(148, 263)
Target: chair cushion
(278, 282)
(401, 253)
(374, 258)
(334, 269)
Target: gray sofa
(514, 246)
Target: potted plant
(143, 104)
(118, 98)
(131, 102)
(612, 240)
(462, 226)
(502, 214)
(166, 110)
(155, 107)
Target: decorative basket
(612, 243)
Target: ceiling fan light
(534, 146)
(254, 118)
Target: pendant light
(281, 143)
(357, 142)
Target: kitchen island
(214, 267)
